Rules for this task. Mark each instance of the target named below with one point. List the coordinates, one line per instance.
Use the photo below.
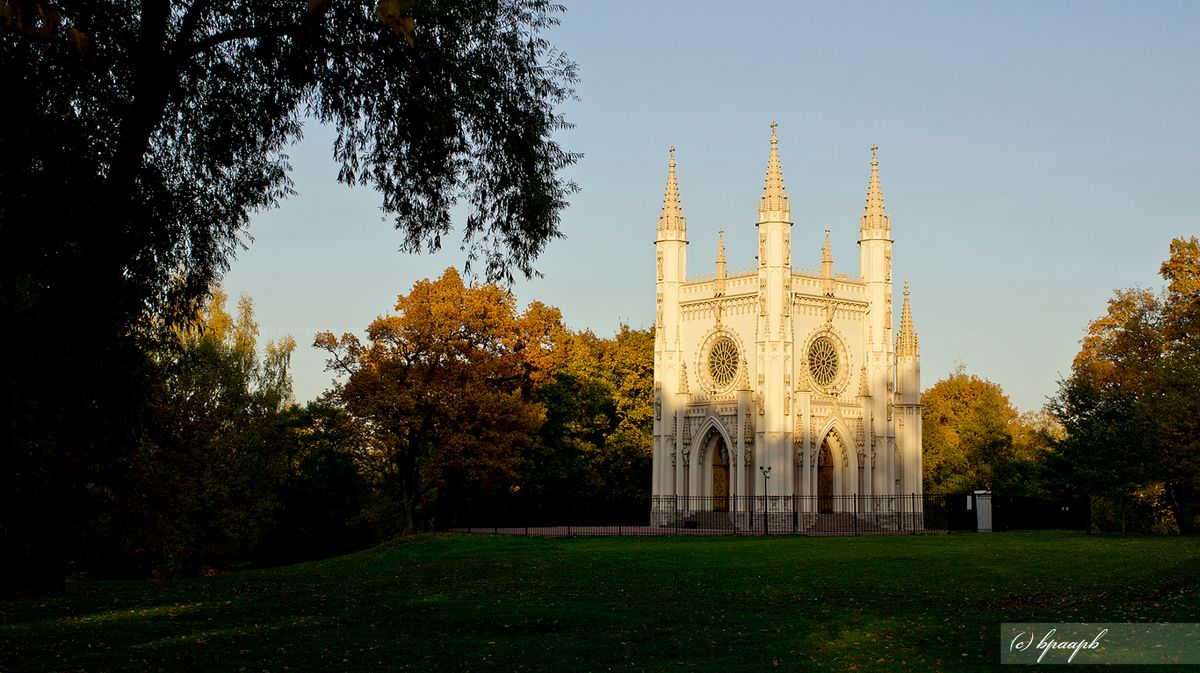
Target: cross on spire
(774, 206)
(672, 211)
(875, 219)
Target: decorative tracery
(723, 362)
(823, 361)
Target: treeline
(456, 406)
(459, 409)
(1123, 429)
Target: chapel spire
(875, 221)
(672, 218)
(907, 343)
(773, 206)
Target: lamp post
(766, 473)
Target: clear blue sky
(1034, 157)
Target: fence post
(855, 514)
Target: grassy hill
(477, 603)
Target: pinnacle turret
(672, 218)
(721, 254)
(773, 206)
(875, 221)
(826, 258)
(827, 287)
(907, 343)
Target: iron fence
(816, 515)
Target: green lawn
(477, 603)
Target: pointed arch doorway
(825, 479)
(720, 476)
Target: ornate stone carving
(813, 305)
(787, 394)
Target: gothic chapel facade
(776, 368)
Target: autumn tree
(443, 389)
(1129, 405)
(1034, 436)
(136, 140)
(967, 427)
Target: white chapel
(776, 369)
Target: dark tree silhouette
(137, 138)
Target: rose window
(823, 361)
(723, 362)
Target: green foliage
(322, 494)
(1129, 406)
(471, 603)
(211, 460)
(591, 459)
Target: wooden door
(720, 479)
(825, 480)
